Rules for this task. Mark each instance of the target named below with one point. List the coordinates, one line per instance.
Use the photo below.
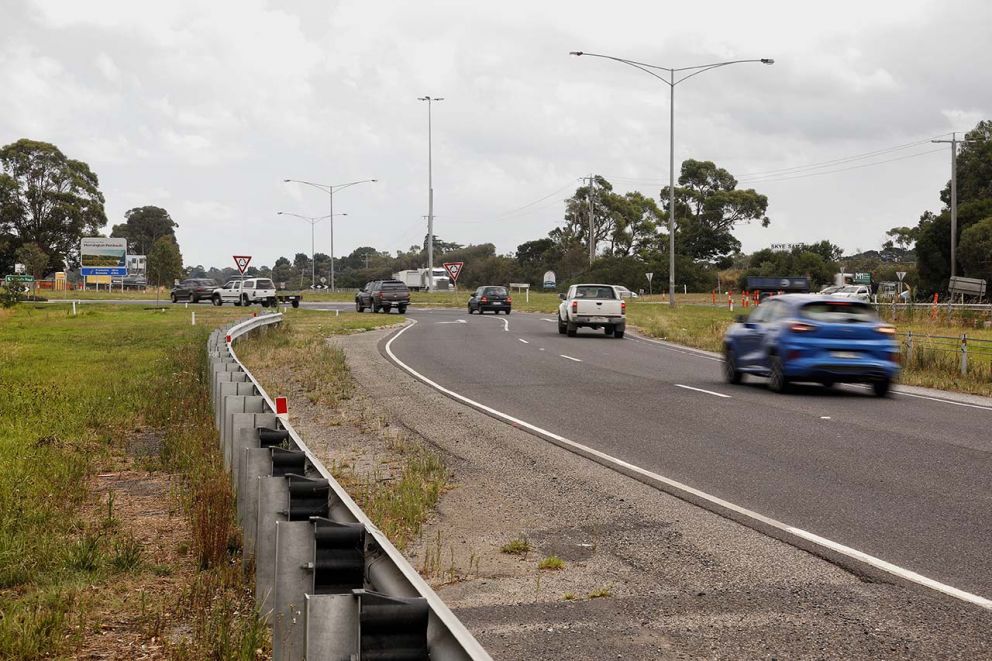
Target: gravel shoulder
(646, 575)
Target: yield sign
(242, 262)
(453, 269)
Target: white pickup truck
(592, 306)
(246, 292)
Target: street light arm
(706, 67)
(646, 68)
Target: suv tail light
(509, 299)
(623, 307)
(800, 327)
(575, 307)
(886, 330)
(484, 299)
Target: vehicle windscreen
(494, 291)
(393, 286)
(850, 289)
(264, 284)
(839, 312)
(595, 292)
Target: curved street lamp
(313, 220)
(329, 189)
(675, 76)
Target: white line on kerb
(708, 392)
(609, 460)
(570, 358)
(523, 340)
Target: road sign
(453, 269)
(550, 282)
(102, 256)
(862, 278)
(649, 276)
(242, 262)
(19, 278)
(900, 275)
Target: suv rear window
(839, 312)
(394, 285)
(264, 284)
(494, 291)
(595, 292)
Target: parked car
(855, 292)
(493, 298)
(832, 289)
(626, 293)
(592, 306)
(383, 295)
(811, 337)
(193, 290)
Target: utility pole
(430, 193)
(953, 142)
(592, 224)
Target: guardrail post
(909, 347)
(226, 389)
(331, 626)
(273, 500)
(293, 578)
(231, 404)
(964, 354)
(245, 436)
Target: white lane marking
(824, 417)
(460, 321)
(506, 325)
(686, 350)
(628, 468)
(903, 393)
(570, 358)
(523, 340)
(708, 392)
(541, 349)
(551, 320)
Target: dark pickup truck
(383, 295)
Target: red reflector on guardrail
(227, 339)
(282, 408)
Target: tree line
(49, 201)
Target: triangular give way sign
(242, 262)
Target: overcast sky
(204, 108)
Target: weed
(518, 546)
(127, 556)
(552, 563)
(599, 593)
(85, 554)
(569, 596)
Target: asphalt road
(906, 479)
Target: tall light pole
(313, 220)
(329, 189)
(430, 193)
(683, 73)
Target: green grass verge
(73, 390)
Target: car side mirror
(561, 296)
(741, 318)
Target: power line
(853, 167)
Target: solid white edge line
(708, 392)
(878, 563)
(578, 360)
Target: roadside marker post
(193, 320)
(74, 308)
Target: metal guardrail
(328, 581)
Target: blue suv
(810, 337)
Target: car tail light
(509, 299)
(800, 327)
(484, 299)
(886, 330)
(575, 307)
(623, 307)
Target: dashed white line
(708, 392)
(551, 320)
(570, 358)
(654, 478)
(523, 340)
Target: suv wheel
(730, 371)
(881, 388)
(359, 307)
(561, 327)
(244, 300)
(776, 380)
(173, 298)
(217, 300)
(571, 329)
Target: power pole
(592, 224)
(953, 142)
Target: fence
(327, 581)
(924, 350)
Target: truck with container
(419, 280)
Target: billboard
(102, 256)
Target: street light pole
(313, 220)
(671, 82)
(430, 193)
(329, 189)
